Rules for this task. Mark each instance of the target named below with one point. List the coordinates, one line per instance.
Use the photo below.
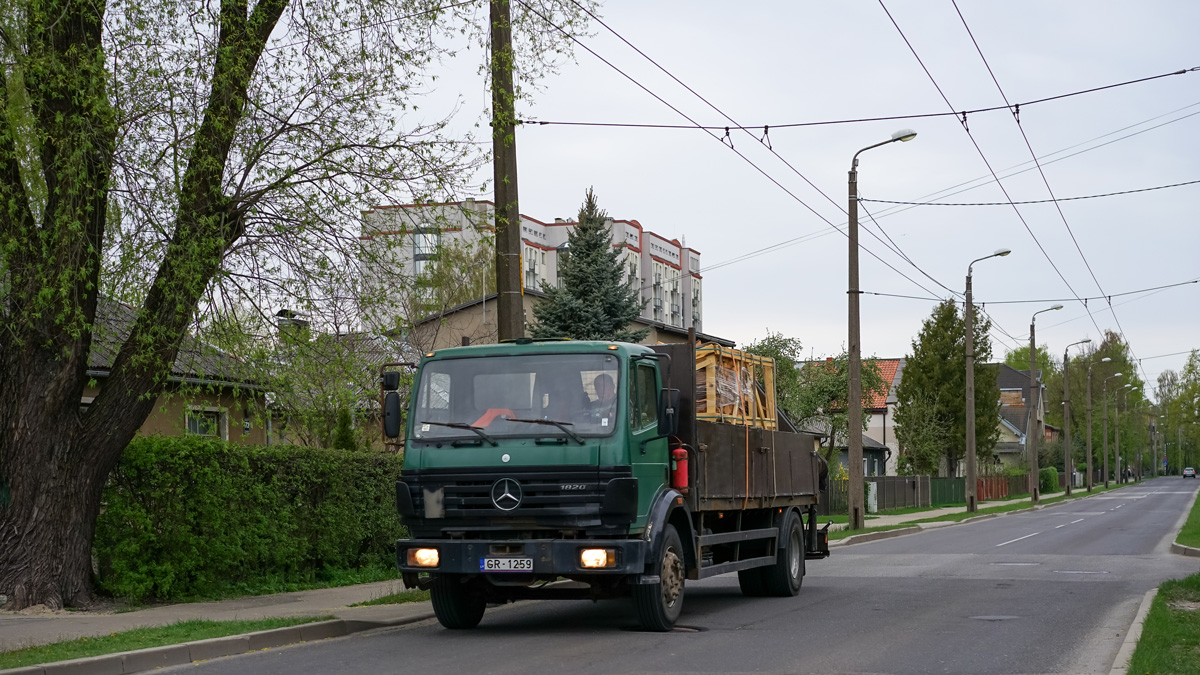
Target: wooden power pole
(510, 315)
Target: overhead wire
(1046, 182)
(765, 143)
(792, 125)
(1034, 201)
(986, 162)
(719, 139)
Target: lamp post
(1106, 425)
(1034, 390)
(1089, 424)
(1068, 462)
(1117, 423)
(970, 383)
(854, 403)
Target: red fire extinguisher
(679, 469)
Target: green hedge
(185, 516)
(1048, 480)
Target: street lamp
(1068, 460)
(1106, 427)
(1117, 422)
(970, 387)
(854, 412)
(1032, 443)
(1089, 425)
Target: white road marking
(1075, 521)
(1018, 539)
(1063, 525)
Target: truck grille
(546, 494)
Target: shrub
(183, 515)
(1048, 480)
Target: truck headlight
(593, 558)
(423, 557)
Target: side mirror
(390, 380)
(391, 414)
(668, 412)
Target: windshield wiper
(561, 425)
(462, 425)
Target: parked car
(1189, 472)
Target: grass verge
(141, 638)
(1170, 641)
(1189, 534)
(400, 598)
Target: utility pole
(510, 311)
(969, 314)
(1068, 454)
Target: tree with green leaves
(787, 355)
(597, 300)
(817, 398)
(1046, 362)
(934, 383)
(184, 159)
(922, 438)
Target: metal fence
(948, 490)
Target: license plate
(506, 564)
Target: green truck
(578, 469)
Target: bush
(1048, 480)
(186, 516)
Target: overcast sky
(777, 63)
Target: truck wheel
(659, 604)
(783, 579)
(751, 582)
(456, 605)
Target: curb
(201, 650)
(1120, 665)
(1179, 548)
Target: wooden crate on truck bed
(728, 387)
(737, 466)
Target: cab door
(649, 457)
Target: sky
(778, 63)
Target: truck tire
(783, 579)
(454, 603)
(751, 582)
(659, 604)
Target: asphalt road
(1050, 591)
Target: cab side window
(644, 400)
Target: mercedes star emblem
(506, 494)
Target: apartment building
(404, 241)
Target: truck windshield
(507, 396)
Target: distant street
(1051, 591)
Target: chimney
(291, 324)
(559, 220)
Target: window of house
(211, 422)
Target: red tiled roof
(887, 369)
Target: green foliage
(786, 353)
(597, 300)
(343, 435)
(824, 388)
(187, 517)
(1019, 359)
(934, 383)
(1048, 480)
(922, 437)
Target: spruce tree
(596, 300)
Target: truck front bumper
(560, 557)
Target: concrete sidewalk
(24, 629)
